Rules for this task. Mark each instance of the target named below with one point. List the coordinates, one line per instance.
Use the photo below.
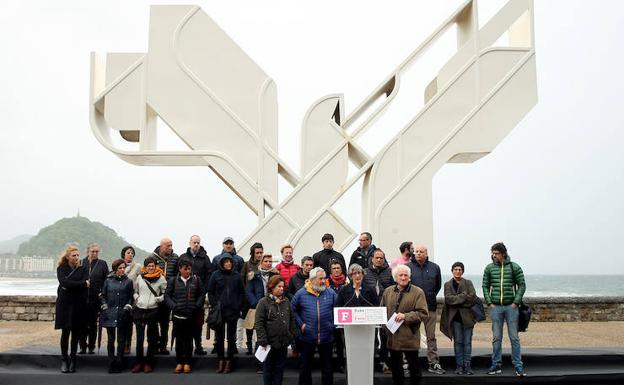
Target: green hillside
(52, 240)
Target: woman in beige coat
(405, 302)
(457, 321)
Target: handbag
(524, 311)
(214, 320)
(250, 319)
(477, 309)
(524, 317)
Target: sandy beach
(18, 334)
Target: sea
(537, 285)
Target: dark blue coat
(255, 288)
(117, 292)
(226, 289)
(429, 279)
(347, 298)
(185, 300)
(309, 309)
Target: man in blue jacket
(426, 275)
(313, 306)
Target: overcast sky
(552, 190)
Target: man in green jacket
(503, 288)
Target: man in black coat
(298, 279)
(379, 276)
(97, 271)
(363, 254)
(426, 275)
(202, 268)
(325, 257)
(168, 261)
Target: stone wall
(545, 309)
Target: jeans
(500, 314)
(152, 340)
(396, 365)
(164, 315)
(307, 354)
(121, 341)
(231, 338)
(462, 344)
(273, 367)
(184, 329)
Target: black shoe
(82, 351)
(214, 351)
(200, 352)
(339, 369)
(91, 351)
(163, 352)
(72, 364)
(64, 365)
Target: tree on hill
(52, 240)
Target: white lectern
(359, 330)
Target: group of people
(288, 306)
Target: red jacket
(287, 270)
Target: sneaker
(520, 372)
(435, 368)
(468, 371)
(179, 368)
(386, 369)
(494, 370)
(187, 368)
(459, 370)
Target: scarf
(338, 281)
(151, 277)
(276, 299)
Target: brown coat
(414, 306)
(457, 301)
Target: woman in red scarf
(337, 280)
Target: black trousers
(273, 367)
(184, 330)
(164, 315)
(325, 354)
(396, 364)
(220, 334)
(152, 340)
(119, 333)
(89, 332)
(75, 334)
(199, 324)
(381, 343)
(340, 346)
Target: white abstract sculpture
(211, 94)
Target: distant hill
(10, 246)
(52, 240)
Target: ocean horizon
(542, 285)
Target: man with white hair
(313, 306)
(405, 302)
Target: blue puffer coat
(428, 278)
(316, 312)
(117, 292)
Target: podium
(359, 325)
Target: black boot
(72, 363)
(64, 365)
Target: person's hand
(303, 328)
(492, 306)
(514, 306)
(104, 307)
(399, 317)
(128, 307)
(88, 283)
